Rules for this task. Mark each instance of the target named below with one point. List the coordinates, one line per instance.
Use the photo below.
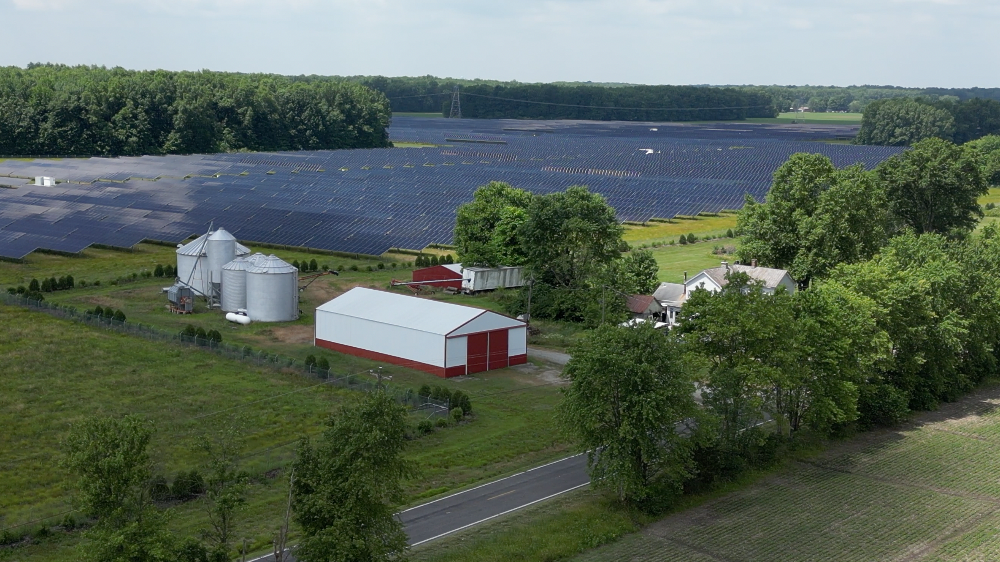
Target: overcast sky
(948, 43)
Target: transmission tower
(456, 105)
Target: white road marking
(499, 514)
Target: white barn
(444, 339)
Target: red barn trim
(357, 351)
(438, 273)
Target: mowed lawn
(691, 258)
(928, 491)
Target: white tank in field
(192, 262)
(272, 290)
(234, 284)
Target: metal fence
(260, 358)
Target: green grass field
(58, 371)
(692, 258)
(811, 119)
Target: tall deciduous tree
(348, 484)
(486, 229)
(569, 236)
(110, 460)
(934, 187)
(629, 397)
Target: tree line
(855, 99)
(88, 111)
(898, 310)
(904, 121)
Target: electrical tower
(456, 105)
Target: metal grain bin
(192, 264)
(234, 284)
(272, 290)
(220, 249)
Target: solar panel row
(367, 201)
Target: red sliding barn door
(477, 356)
(498, 349)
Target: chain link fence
(244, 353)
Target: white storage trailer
(444, 339)
(475, 279)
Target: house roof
(415, 313)
(770, 277)
(640, 303)
(669, 292)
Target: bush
(370, 268)
(342, 268)
(434, 260)
(68, 523)
(46, 286)
(188, 485)
(11, 291)
(313, 266)
(159, 491)
(21, 289)
(135, 276)
(97, 283)
(214, 335)
(168, 271)
(119, 316)
(442, 422)
(201, 334)
(310, 361)
(326, 267)
(449, 259)
(394, 265)
(425, 427)
(461, 400)
(295, 264)
(729, 234)
(323, 363)
(425, 391)
(158, 271)
(682, 240)
(33, 286)
(457, 414)
(98, 311)
(381, 265)
(354, 267)
(881, 405)
(189, 331)
(691, 238)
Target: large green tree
(934, 187)
(486, 228)
(988, 149)
(348, 484)
(630, 403)
(110, 460)
(569, 236)
(814, 217)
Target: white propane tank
(238, 318)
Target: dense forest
(485, 99)
(85, 111)
(905, 121)
(854, 99)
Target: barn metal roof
(415, 313)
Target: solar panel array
(368, 201)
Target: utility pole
(282, 538)
(456, 105)
(531, 283)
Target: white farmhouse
(714, 279)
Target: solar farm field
(927, 492)
(369, 201)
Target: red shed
(444, 275)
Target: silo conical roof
(222, 234)
(195, 247)
(272, 264)
(238, 264)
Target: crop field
(928, 491)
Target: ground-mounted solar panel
(367, 201)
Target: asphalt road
(460, 511)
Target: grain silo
(220, 250)
(272, 290)
(192, 262)
(234, 285)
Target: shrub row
(432, 260)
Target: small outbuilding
(445, 339)
(444, 275)
(644, 307)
